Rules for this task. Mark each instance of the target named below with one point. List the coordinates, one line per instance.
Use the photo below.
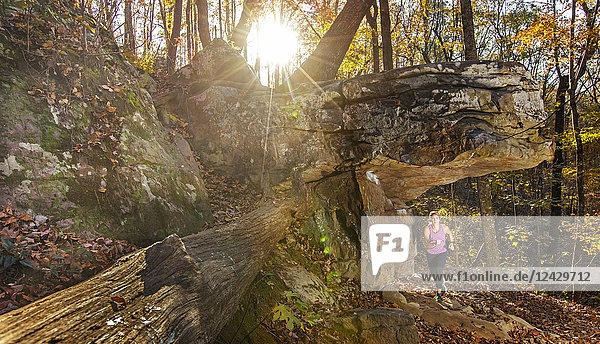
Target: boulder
(369, 326)
(94, 158)
(218, 61)
(394, 297)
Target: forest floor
(461, 317)
(555, 320)
(229, 197)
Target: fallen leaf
(118, 303)
(28, 298)
(25, 217)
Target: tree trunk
(257, 61)
(386, 35)
(484, 189)
(129, 30)
(148, 27)
(220, 21)
(578, 153)
(203, 31)
(325, 61)
(372, 20)
(178, 290)
(574, 112)
(470, 46)
(188, 31)
(242, 29)
(558, 162)
(174, 37)
(227, 24)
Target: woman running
(434, 238)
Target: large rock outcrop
(410, 128)
(84, 147)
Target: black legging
(436, 263)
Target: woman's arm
(451, 237)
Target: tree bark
(220, 21)
(242, 29)
(558, 162)
(372, 20)
(578, 153)
(386, 35)
(203, 31)
(129, 30)
(178, 290)
(174, 37)
(484, 189)
(325, 61)
(188, 32)
(470, 46)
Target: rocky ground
(478, 317)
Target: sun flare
(276, 42)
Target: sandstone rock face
(217, 62)
(409, 128)
(370, 326)
(394, 297)
(54, 161)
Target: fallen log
(179, 290)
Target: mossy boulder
(84, 146)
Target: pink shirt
(435, 236)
